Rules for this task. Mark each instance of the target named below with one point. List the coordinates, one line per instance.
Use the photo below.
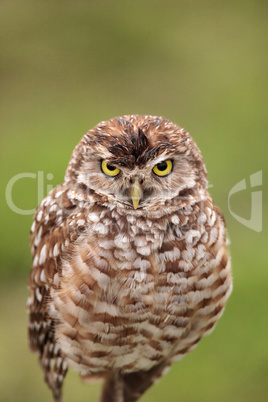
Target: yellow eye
(108, 169)
(163, 168)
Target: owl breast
(135, 291)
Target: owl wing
(51, 237)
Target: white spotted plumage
(120, 291)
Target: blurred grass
(67, 65)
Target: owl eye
(163, 168)
(108, 169)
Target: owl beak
(136, 193)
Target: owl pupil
(110, 167)
(162, 166)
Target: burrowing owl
(130, 267)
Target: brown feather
(120, 293)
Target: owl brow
(158, 150)
(129, 160)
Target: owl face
(138, 163)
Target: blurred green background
(65, 66)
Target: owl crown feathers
(131, 142)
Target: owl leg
(113, 390)
(130, 387)
(135, 384)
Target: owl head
(138, 163)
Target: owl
(130, 266)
